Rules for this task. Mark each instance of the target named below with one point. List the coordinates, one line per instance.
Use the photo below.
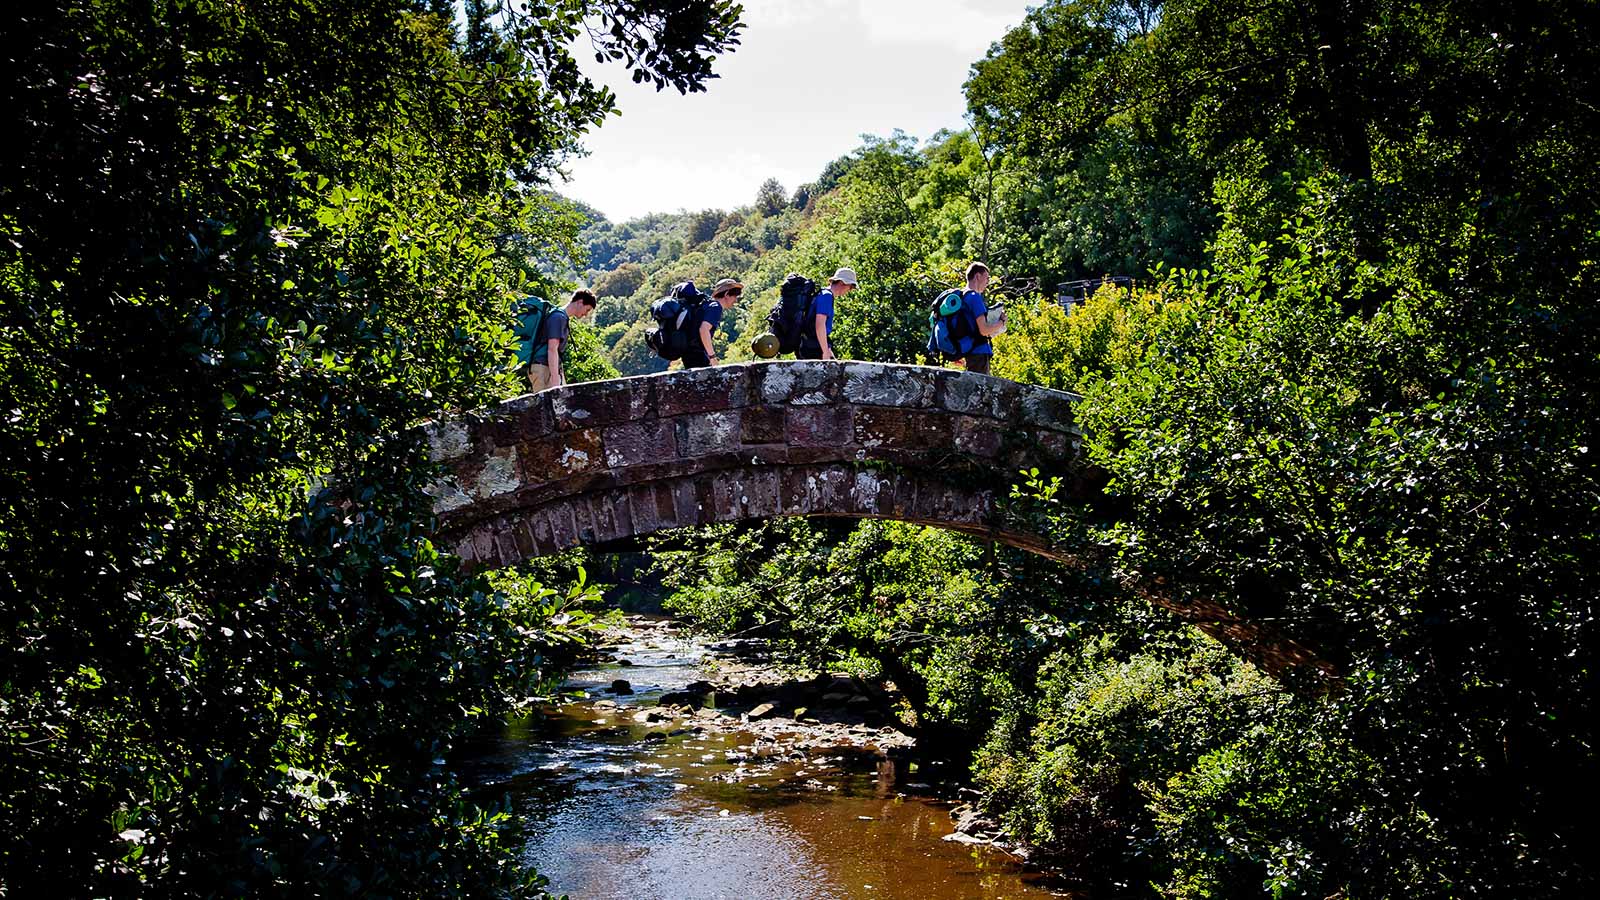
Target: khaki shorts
(538, 377)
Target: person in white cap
(814, 341)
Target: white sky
(809, 78)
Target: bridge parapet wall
(606, 460)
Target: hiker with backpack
(814, 343)
(685, 319)
(542, 331)
(803, 319)
(961, 325)
(701, 351)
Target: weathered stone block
(649, 472)
(1046, 408)
(498, 474)
(904, 502)
(979, 437)
(762, 490)
(953, 505)
(613, 519)
(902, 429)
(746, 494)
(762, 425)
(705, 500)
(447, 440)
(701, 390)
(448, 495)
(978, 395)
(522, 533)
(685, 504)
(543, 534)
(802, 383)
(879, 384)
(819, 426)
(563, 525)
(794, 491)
(640, 443)
(643, 509)
(764, 455)
(600, 404)
(666, 500)
(831, 487)
(872, 493)
(515, 421)
(560, 456)
(1040, 447)
(584, 518)
(707, 433)
(811, 456)
(1055, 447)
(505, 544)
(483, 545)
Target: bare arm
(553, 360)
(705, 341)
(821, 327)
(990, 329)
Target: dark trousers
(695, 358)
(809, 351)
(976, 362)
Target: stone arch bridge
(605, 461)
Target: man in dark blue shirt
(701, 351)
(815, 338)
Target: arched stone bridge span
(606, 461)
(609, 460)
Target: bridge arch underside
(604, 462)
(737, 493)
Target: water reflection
(616, 808)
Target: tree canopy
(246, 248)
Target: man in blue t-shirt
(815, 340)
(982, 350)
(701, 351)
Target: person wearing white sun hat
(815, 340)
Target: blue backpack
(952, 328)
(532, 314)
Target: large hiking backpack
(952, 328)
(794, 317)
(532, 313)
(676, 316)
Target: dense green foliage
(1352, 396)
(1363, 413)
(247, 246)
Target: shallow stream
(620, 808)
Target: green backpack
(532, 313)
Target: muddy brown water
(614, 808)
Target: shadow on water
(618, 808)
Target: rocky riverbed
(675, 768)
(785, 716)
